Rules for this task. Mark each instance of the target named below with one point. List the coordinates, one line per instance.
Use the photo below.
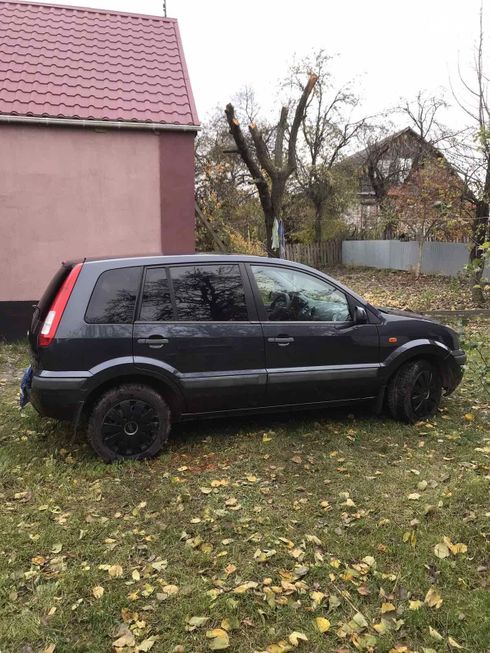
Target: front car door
(315, 351)
(197, 324)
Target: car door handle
(282, 341)
(154, 342)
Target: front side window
(114, 297)
(293, 296)
(209, 293)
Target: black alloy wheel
(130, 427)
(129, 422)
(415, 391)
(425, 393)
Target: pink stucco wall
(177, 192)
(69, 193)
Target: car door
(315, 350)
(197, 323)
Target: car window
(156, 304)
(209, 293)
(114, 297)
(291, 295)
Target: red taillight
(48, 330)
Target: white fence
(437, 258)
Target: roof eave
(97, 124)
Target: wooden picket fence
(318, 255)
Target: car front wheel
(130, 422)
(415, 392)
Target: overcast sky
(392, 48)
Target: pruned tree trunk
(270, 174)
(480, 234)
(418, 267)
(318, 224)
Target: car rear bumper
(58, 397)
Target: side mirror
(360, 315)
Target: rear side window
(156, 305)
(202, 293)
(114, 297)
(209, 293)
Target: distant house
(97, 127)
(387, 171)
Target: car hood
(400, 313)
(427, 327)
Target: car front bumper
(456, 362)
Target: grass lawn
(403, 290)
(246, 531)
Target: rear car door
(315, 351)
(197, 323)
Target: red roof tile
(67, 62)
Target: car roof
(166, 259)
(151, 259)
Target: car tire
(129, 422)
(415, 392)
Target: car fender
(125, 366)
(412, 349)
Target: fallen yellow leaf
(295, 638)
(125, 640)
(146, 644)
(458, 548)
(219, 639)
(115, 571)
(453, 643)
(433, 598)
(98, 591)
(414, 496)
(322, 624)
(244, 587)
(435, 634)
(381, 628)
(279, 647)
(195, 622)
(441, 550)
(387, 607)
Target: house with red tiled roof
(97, 127)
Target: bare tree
(224, 194)
(422, 113)
(327, 129)
(431, 203)
(270, 168)
(473, 98)
(389, 158)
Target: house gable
(73, 64)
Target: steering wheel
(283, 298)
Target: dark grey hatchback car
(134, 344)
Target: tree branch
(244, 150)
(298, 117)
(261, 149)
(281, 130)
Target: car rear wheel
(415, 392)
(130, 422)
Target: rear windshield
(114, 297)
